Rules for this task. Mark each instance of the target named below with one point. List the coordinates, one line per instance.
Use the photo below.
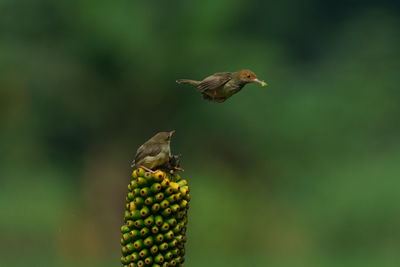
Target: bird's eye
(248, 76)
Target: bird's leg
(147, 169)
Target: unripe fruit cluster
(155, 220)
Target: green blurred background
(304, 172)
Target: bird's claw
(147, 169)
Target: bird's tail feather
(192, 82)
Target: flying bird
(220, 86)
(155, 152)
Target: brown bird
(220, 86)
(154, 152)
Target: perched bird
(220, 86)
(154, 152)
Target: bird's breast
(231, 88)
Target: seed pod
(126, 238)
(154, 249)
(165, 183)
(144, 231)
(148, 260)
(166, 212)
(148, 242)
(148, 176)
(158, 176)
(159, 197)
(149, 221)
(182, 182)
(130, 223)
(175, 251)
(175, 208)
(124, 229)
(130, 206)
(136, 191)
(142, 182)
(138, 244)
(154, 229)
(134, 174)
(135, 214)
(165, 227)
(177, 229)
(144, 192)
(158, 220)
(145, 211)
(178, 196)
(179, 238)
(159, 238)
(163, 246)
(173, 262)
(138, 201)
(168, 255)
(134, 184)
(140, 172)
(124, 250)
(172, 198)
(180, 259)
(184, 203)
(173, 243)
(155, 220)
(129, 248)
(133, 257)
(148, 201)
(131, 196)
(159, 258)
(156, 207)
(164, 204)
(175, 186)
(135, 234)
(172, 222)
(168, 191)
(169, 235)
(144, 253)
(181, 215)
(138, 223)
(127, 215)
(155, 188)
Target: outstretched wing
(214, 81)
(146, 150)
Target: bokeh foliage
(304, 172)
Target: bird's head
(164, 136)
(248, 76)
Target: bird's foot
(147, 169)
(179, 169)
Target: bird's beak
(171, 133)
(263, 84)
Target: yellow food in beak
(262, 83)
